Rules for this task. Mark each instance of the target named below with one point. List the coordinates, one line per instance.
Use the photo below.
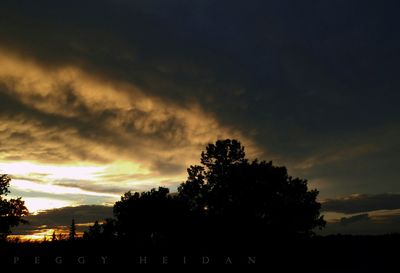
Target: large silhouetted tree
(233, 191)
(11, 210)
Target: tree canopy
(11, 210)
(149, 214)
(228, 187)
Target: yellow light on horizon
(45, 186)
(44, 234)
(36, 204)
(78, 171)
(52, 171)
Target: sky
(101, 97)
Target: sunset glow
(36, 205)
(43, 235)
(50, 186)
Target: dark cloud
(41, 128)
(61, 218)
(365, 224)
(67, 198)
(97, 187)
(168, 167)
(365, 164)
(353, 219)
(363, 203)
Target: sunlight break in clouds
(63, 181)
(36, 205)
(53, 172)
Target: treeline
(226, 199)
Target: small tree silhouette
(105, 231)
(11, 211)
(94, 232)
(72, 231)
(109, 229)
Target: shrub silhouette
(11, 211)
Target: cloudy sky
(101, 97)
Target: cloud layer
(65, 116)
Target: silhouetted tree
(72, 231)
(109, 229)
(230, 190)
(53, 237)
(11, 211)
(105, 231)
(150, 215)
(94, 232)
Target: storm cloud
(311, 85)
(60, 219)
(363, 203)
(375, 223)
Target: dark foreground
(319, 254)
